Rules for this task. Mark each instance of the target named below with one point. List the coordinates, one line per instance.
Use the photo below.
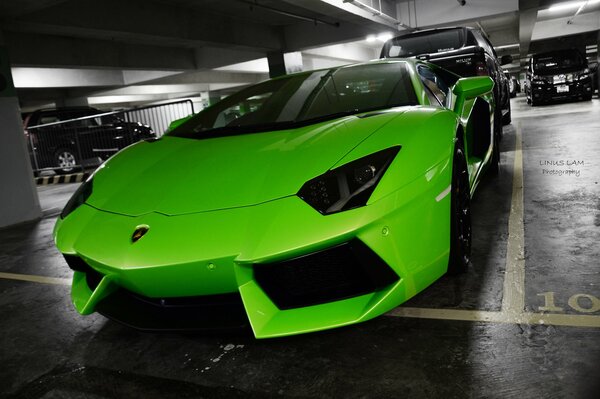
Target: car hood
(176, 176)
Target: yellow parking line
(513, 299)
(497, 317)
(447, 314)
(421, 313)
(36, 279)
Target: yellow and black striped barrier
(59, 179)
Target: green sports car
(302, 203)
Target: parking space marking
(421, 313)
(497, 317)
(35, 279)
(513, 299)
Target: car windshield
(426, 43)
(549, 63)
(304, 98)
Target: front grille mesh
(341, 272)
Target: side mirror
(467, 89)
(472, 87)
(506, 59)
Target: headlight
(79, 197)
(583, 76)
(348, 186)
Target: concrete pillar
(283, 63)
(18, 195)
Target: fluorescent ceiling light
(382, 37)
(571, 5)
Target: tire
(64, 161)
(498, 119)
(460, 214)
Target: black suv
(64, 138)
(464, 51)
(558, 75)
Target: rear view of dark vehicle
(464, 51)
(64, 138)
(558, 75)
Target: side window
(49, 117)
(434, 84)
(245, 108)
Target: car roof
(435, 30)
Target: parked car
(514, 86)
(462, 50)
(558, 75)
(595, 76)
(63, 138)
(330, 198)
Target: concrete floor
(459, 338)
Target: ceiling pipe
(288, 13)
(579, 10)
(379, 13)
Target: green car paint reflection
(314, 200)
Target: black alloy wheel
(460, 214)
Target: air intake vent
(340, 272)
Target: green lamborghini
(302, 203)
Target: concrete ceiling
(65, 51)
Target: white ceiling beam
(559, 27)
(345, 52)
(63, 77)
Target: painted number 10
(583, 303)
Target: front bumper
(547, 92)
(219, 252)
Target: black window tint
(436, 85)
(430, 42)
(471, 39)
(305, 97)
(366, 87)
(551, 62)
